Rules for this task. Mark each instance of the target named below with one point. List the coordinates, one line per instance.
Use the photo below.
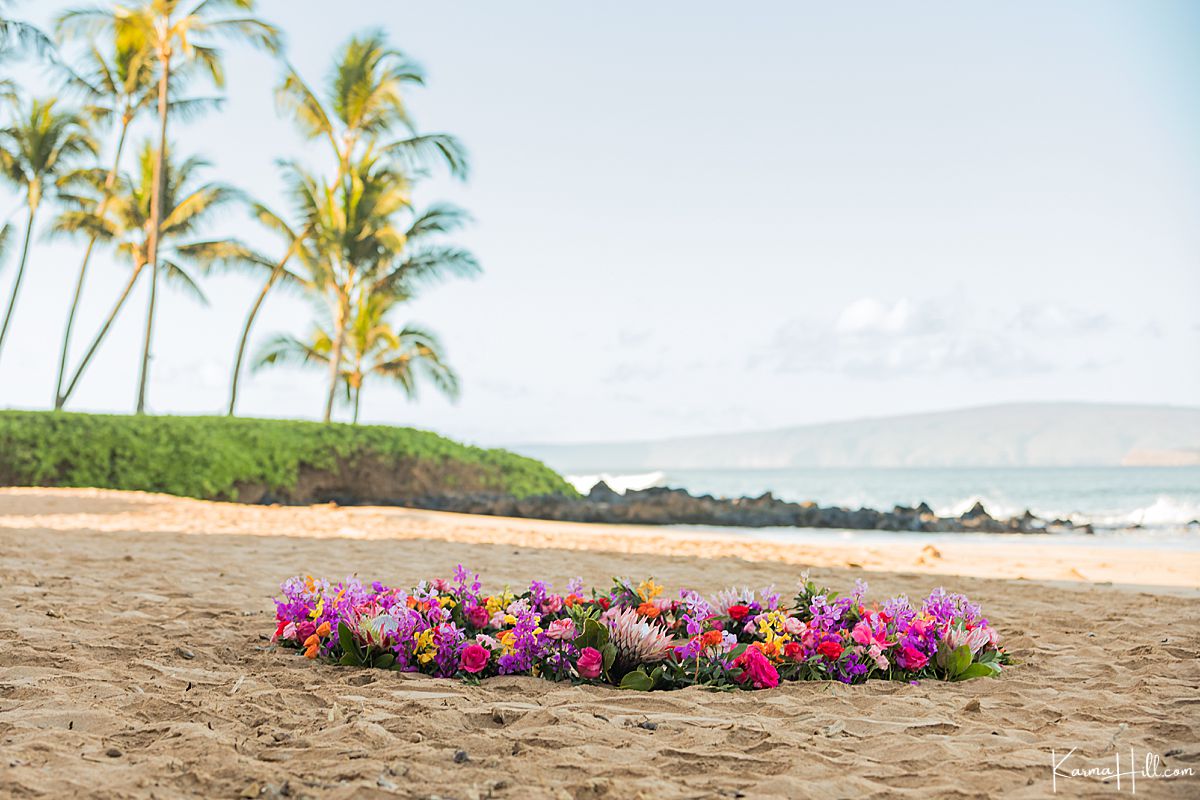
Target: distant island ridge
(1008, 435)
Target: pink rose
(590, 663)
(561, 629)
(756, 669)
(876, 655)
(863, 633)
(305, 629)
(911, 658)
(474, 658)
(794, 626)
(477, 616)
(552, 604)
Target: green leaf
(348, 660)
(385, 661)
(349, 648)
(609, 651)
(638, 681)
(594, 635)
(975, 671)
(960, 659)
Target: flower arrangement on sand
(633, 636)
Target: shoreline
(1007, 557)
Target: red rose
(603, 602)
(738, 613)
(757, 670)
(793, 650)
(474, 658)
(478, 616)
(830, 649)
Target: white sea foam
(1165, 512)
(618, 483)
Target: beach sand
(135, 662)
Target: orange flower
(312, 651)
(648, 609)
(712, 638)
(572, 600)
(323, 630)
(313, 641)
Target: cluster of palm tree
(353, 241)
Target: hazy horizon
(792, 217)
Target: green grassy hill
(256, 460)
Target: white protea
(638, 640)
(733, 596)
(376, 630)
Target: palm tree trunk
(12, 300)
(357, 401)
(109, 183)
(262, 296)
(145, 370)
(66, 395)
(156, 201)
(335, 363)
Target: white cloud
(1050, 319)
(875, 338)
(868, 315)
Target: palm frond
(422, 152)
(178, 277)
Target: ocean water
(1132, 503)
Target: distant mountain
(1014, 435)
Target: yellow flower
(316, 612)
(507, 639)
(648, 590)
(495, 604)
(446, 601)
(425, 648)
(509, 619)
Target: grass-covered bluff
(257, 460)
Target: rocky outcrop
(662, 506)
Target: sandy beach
(136, 663)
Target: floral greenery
(209, 457)
(633, 636)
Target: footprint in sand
(929, 555)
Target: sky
(694, 217)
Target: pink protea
(638, 640)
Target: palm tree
(116, 88)
(359, 243)
(37, 152)
(363, 105)
(173, 33)
(125, 223)
(373, 348)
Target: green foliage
(210, 457)
(351, 655)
